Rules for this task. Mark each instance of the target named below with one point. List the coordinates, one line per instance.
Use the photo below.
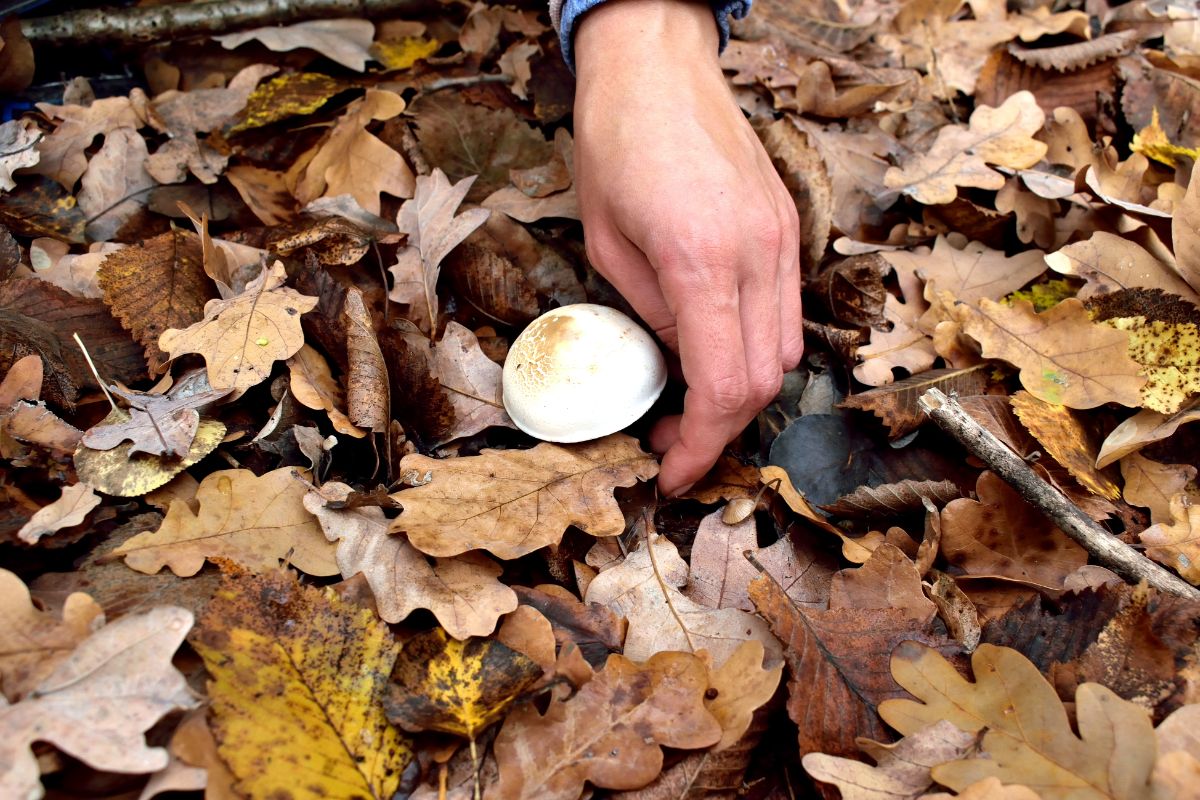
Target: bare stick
(1108, 550)
(88, 357)
(150, 23)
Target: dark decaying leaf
(593, 628)
(896, 404)
(852, 291)
(904, 497)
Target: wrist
(645, 33)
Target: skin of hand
(684, 214)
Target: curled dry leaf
(1152, 484)
(896, 403)
(1143, 428)
(253, 520)
(241, 338)
(1045, 347)
(368, 398)
(611, 733)
(18, 143)
(99, 701)
(471, 381)
(463, 592)
(511, 502)
(316, 667)
(34, 642)
(961, 155)
(346, 41)
(313, 385)
(433, 231)
(889, 499)
(70, 509)
(460, 688)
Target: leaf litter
(398, 595)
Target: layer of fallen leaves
(296, 257)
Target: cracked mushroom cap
(581, 372)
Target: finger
(630, 273)
(759, 311)
(791, 313)
(716, 406)
(665, 433)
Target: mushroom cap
(580, 372)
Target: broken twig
(1107, 550)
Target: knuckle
(729, 395)
(765, 387)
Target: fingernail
(682, 490)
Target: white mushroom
(581, 372)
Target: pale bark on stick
(1106, 549)
(150, 23)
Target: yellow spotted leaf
(123, 473)
(1169, 353)
(512, 502)
(1060, 431)
(460, 688)
(241, 338)
(1152, 142)
(1047, 348)
(1027, 735)
(292, 95)
(403, 53)
(253, 520)
(297, 678)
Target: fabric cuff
(566, 13)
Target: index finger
(717, 404)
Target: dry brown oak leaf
(1152, 484)
(512, 502)
(34, 642)
(1064, 357)
(433, 231)
(1177, 543)
(1028, 738)
(611, 733)
(1109, 262)
(346, 41)
(97, 704)
(353, 161)
(63, 151)
(241, 338)
(463, 592)
(960, 154)
(253, 520)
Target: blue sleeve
(572, 10)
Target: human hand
(684, 214)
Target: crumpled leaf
(346, 41)
(1143, 428)
(297, 679)
(638, 591)
(98, 702)
(34, 642)
(70, 509)
(1152, 484)
(116, 184)
(964, 155)
(463, 591)
(18, 146)
(241, 338)
(368, 395)
(353, 161)
(1045, 347)
(1028, 736)
(253, 520)
(896, 403)
(511, 502)
(461, 688)
(433, 231)
(63, 155)
(183, 115)
(610, 734)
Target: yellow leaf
(511, 502)
(403, 53)
(1046, 348)
(297, 679)
(292, 95)
(224, 336)
(442, 684)
(253, 520)
(118, 472)
(1152, 142)
(1028, 737)
(1062, 434)
(1169, 353)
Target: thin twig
(1108, 550)
(88, 357)
(666, 593)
